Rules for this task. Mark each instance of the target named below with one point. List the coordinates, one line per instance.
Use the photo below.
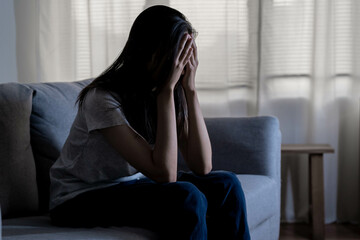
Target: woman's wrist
(168, 87)
(189, 90)
(165, 93)
(188, 83)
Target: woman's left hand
(188, 81)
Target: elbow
(169, 180)
(205, 165)
(166, 178)
(163, 169)
(204, 170)
(207, 169)
(166, 175)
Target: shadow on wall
(348, 188)
(293, 116)
(336, 123)
(227, 102)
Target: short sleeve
(102, 110)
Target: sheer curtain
(309, 80)
(295, 59)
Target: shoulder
(99, 93)
(101, 98)
(102, 109)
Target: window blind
(287, 37)
(299, 36)
(222, 41)
(344, 23)
(101, 29)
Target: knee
(228, 179)
(191, 198)
(228, 183)
(191, 193)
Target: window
(287, 46)
(299, 37)
(101, 29)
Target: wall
(8, 66)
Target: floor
(300, 231)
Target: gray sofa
(34, 122)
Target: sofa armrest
(250, 145)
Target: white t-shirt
(87, 161)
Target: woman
(119, 164)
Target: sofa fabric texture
(52, 115)
(17, 167)
(35, 121)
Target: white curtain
(309, 79)
(294, 59)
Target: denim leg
(188, 207)
(173, 210)
(227, 217)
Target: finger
(186, 51)
(195, 50)
(192, 59)
(188, 57)
(182, 45)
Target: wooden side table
(316, 153)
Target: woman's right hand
(182, 58)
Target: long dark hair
(153, 41)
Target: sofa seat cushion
(40, 228)
(262, 200)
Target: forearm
(199, 153)
(165, 150)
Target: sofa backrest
(18, 188)
(53, 112)
(247, 145)
(35, 120)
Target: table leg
(317, 198)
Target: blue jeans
(195, 207)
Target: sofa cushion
(248, 145)
(262, 198)
(17, 167)
(39, 228)
(262, 207)
(53, 111)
